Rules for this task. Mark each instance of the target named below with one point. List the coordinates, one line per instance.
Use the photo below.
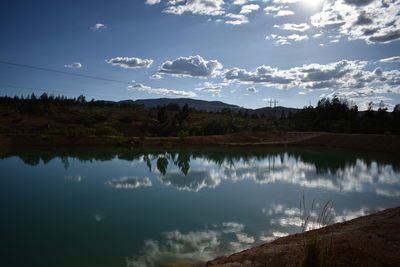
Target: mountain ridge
(210, 106)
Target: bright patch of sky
(236, 51)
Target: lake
(177, 207)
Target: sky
(243, 52)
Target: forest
(59, 115)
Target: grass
(314, 218)
(316, 253)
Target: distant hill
(193, 103)
(214, 106)
(274, 112)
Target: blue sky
(238, 51)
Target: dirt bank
(376, 143)
(369, 142)
(373, 240)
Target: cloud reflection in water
(359, 176)
(192, 248)
(129, 182)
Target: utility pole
(275, 102)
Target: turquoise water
(166, 207)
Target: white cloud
(236, 19)
(192, 248)
(75, 65)
(388, 193)
(293, 27)
(98, 26)
(210, 87)
(361, 97)
(130, 62)
(285, 40)
(232, 227)
(264, 75)
(152, 2)
(347, 215)
(271, 9)
(372, 21)
(274, 209)
(297, 38)
(274, 235)
(282, 13)
(344, 75)
(245, 238)
(252, 89)
(156, 77)
(286, 1)
(239, 2)
(129, 182)
(194, 66)
(201, 7)
(75, 178)
(198, 180)
(160, 91)
(358, 175)
(247, 9)
(391, 59)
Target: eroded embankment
(372, 240)
(376, 143)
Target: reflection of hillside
(311, 167)
(325, 160)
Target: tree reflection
(301, 165)
(162, 165)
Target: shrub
(182, 135)
(315, 255)
(106, 131)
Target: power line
(62, 72)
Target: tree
(81, 99)
(44, 97)
(162, 115)
(396, 112)
(162, 165)
(173, 107)
(183, 114)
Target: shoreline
(372, 240)
(366, 142)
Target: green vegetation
(316, 252)
(316, 255)
(50, 115)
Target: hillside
(275, 112)
(76, 117)
(373, 240)
(203, 105)
(210, 106)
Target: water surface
(160, 207)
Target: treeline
(38, 104)
(128, 119)
(338, 116)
